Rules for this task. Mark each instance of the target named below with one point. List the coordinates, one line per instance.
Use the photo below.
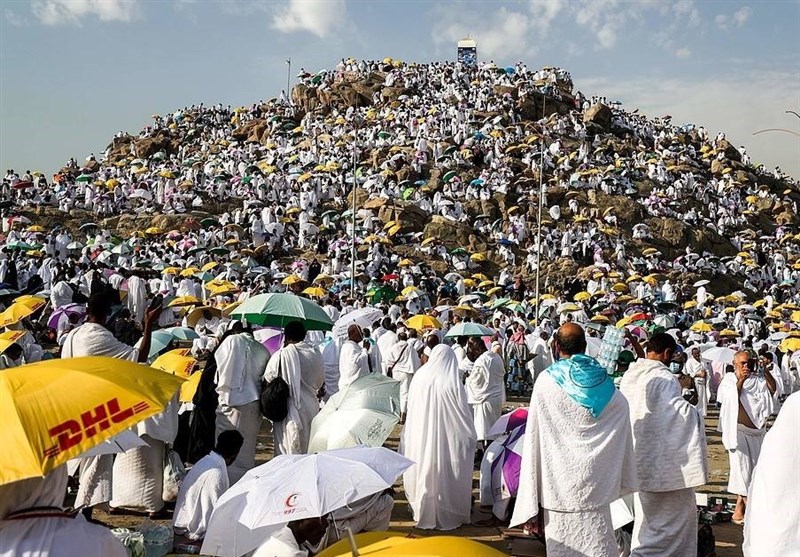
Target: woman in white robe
(486, 390)
(439, 436)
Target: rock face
(671, 236)
(149, 146)
(452, 233)
(598, 115)
(411, 217)
(255, 131)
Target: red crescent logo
(291, 501)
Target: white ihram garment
(486, 392)
(203, 485)
(240, 364)
(439, 436)
(573, 467)
(302, 368)
(670, 446)
(772, 527)
(404, 362)
(353, 363)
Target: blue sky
(72, 73)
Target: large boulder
(599, 115)
(253, 131)
(627, 210)
(452, 233)
(731, 152)
(161, 141)
(411, 217)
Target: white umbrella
(365, 413)
(664, 321)
(294, 487)
(363, 317)
(700, 283)
(719, 354)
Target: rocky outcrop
(598, 116)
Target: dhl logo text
(70, 433)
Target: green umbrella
(20, 245)
(219, 251)
(500, 302)
(276, 310)
(408, 192)
(209, 222)
(449, 176)
(84, 178)
(469, 330)
(459, 251)
(382, 294)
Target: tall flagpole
(288, 80)
(353, 209)
(539, 223)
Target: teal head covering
(585, 381)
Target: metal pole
(353, 216)
(288, 81)
(539, 222)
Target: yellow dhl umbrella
(795, 317)
(315, 291)
(8, 338)
(398, 544)
(701, 327)
(208, 266)
(291, 279)
(15, 313)
(183, 301)
(479, 257)
(581, 296)
(189, 387)
(176, 362)
(790, 344)
(33, 302)
(190, 272)
(422, 322)
(47, 421)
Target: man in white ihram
(203, 485)
(577, 454)
(670, 446)
(240, 364)
(699, 370)
(402, 362)
(747, 398)
(353, 359)
(301, 367)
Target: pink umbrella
(510, 421)
(272, 339)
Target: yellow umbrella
(194, 315)
(190, 272)
(226, 311)
(208, 266)
(47, 420)
(171, 271)
(728, 333)
(581, 296)
(479, 257)
(600, 319)
(315, 291)
(701, 327)
(291, 279)
(390, 544)
(493, 291)
(633, 278)
(405, 263)
(33, 302)
(231, 242)
(485, 284)
(422, 322)
(795, 316)
(15, 313)
(624, 298)
(408, 290)
(469, 283)
(619, 287)
(622, 322)
(428, 241)
(36, 228)
(183, 301)
(323, 279)
(153, 230)
(223, 290)
(690, 304)
(480, 276)
(189, 387)
(176, 362)
(790, 344)
(8, 338)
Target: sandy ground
(728, 536)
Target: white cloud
(737, 103)
(66, 12)
(13, 18)
(319, 17)
(683, 53)
(741, 15)
(736, 19)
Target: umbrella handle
(352, 540)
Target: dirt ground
(728, 536)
